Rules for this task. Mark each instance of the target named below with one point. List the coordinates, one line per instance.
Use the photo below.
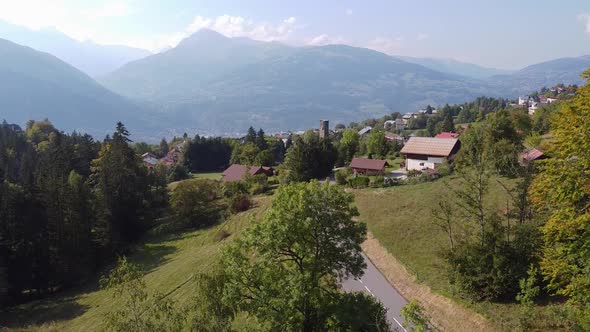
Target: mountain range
(36, 85)
(93, 59)
(211, 84)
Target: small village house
(237, 172)
(424, 153)
(149, 160)
(365, 130)
(368, 166)
(531, 155)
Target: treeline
(68, 205)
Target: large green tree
(562, 191)
(286, 269)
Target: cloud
(113, 9)
(585, 18)
(386, 45)
(325, 39)
(238, 26)
(348, 12)
(422, 36)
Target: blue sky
(502, 33)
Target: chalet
(368, 166)
(149, 160)
(237, 172)
(531, 155)
(446, 134)
(365, 130)
(424, 153)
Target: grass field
(168, 260)
(210, 176)
(400, 218)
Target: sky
(505, 34)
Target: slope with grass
(169, 260)
(400, 219)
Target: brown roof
(237, 172)
(531, 154)
(430, 146)
(369, 164)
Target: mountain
(93, 59)
(549, 73)
(36, 85)
(211, 81)
(456, 67)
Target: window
(421, 164)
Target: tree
(415, 319)
(261, 140)
(348, 145)
(285, 270)
(250, 136)
(376, 144)
(308, 158)
(447, 124)
(196, 203)
(164, 147)
(139, 310)
(562, 191)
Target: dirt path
(445, 314)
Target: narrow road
(375, 284)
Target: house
(237, 172)
(551, 100)
(543, 99)
(389, 124)
(522, 101)
(446, 134)
(368, 166)
(533, 107)
(424, 153)
(149, 160)
(408, 116)
(391, 137)
(531, 155)
(400, 124)
(365, 130)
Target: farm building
(531, 155)
(426, 152)
(368, 166)
(238, 172)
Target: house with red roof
(368, 166)
(446, 134)
(531, 155)
(237, 172)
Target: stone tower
(324, 129)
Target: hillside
(213, 81)
(36, 85)
(168, 260)
(456, 67)
(534, 77)
(93, 59)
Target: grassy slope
(169, 260)
(400, 218)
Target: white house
(523, 100)
(388, 123)
(423, 153)
(533, 108)
(551, 100)
(365, 130)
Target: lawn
(168, 260)
(210, 176)
(400, 218)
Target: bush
(177, 173)
(377, 181)
(240, 203)
(444, 169)
(413, 173)
(359, 181)
(340, 176)
(257, 188)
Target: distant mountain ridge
(36, 85)
(452, 66)
(93, 59)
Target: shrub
(257, 188)
(340, 176)
(240, 202)
(413, 173)
(444, 169)
(377, 181)
(359, 181)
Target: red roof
(531, 154)
(368, 164)
(237, 172)
(446, 134)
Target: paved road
(375, 284)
